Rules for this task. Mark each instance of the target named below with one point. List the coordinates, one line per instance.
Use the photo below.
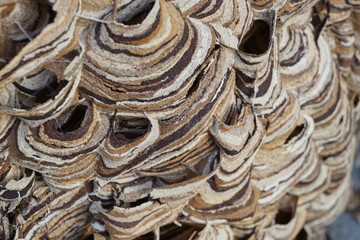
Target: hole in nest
(171, 230)
(185, 231)
(131, 129)
(108, 204)
(294, 133)
(286, 211)
(356, 101)
(138, 202)
(195, 85)
(45, 84)
(341, 120)
(147, 236)
(232, 115)
(38, 88)
(21, 22)
(302, 235)
(89, 237)
(257, 40)
(139, 16)
(71, 55)
(74, 121)
(12, 218)
(319, 17)
(283, 216)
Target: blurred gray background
(346, 227)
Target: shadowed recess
(356, 101)
(195, 85)
(140, 16)
(74, 121)
(131, 129)
(89, 237)
(31, 96)
(16, 34)
(297, 130)
(138, 202)
(257, 40)
(172, 231)
(283, 217)
(302, 235)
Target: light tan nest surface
(183, 119)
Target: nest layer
(176, 119)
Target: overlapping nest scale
(176, 119)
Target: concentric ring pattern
(176, 119)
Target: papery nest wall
(196, 119)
